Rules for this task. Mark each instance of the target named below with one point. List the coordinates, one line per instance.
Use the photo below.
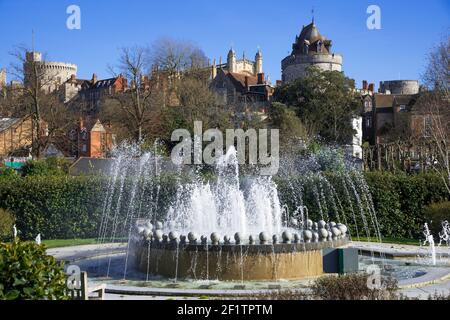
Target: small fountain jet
(430, 240)
(444, 235)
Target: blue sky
(409, 30)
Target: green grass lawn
(413, 242)
(67, 242)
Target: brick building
(90, 138)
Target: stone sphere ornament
(315, 226)
(158, 235)
(315, 236)
(215, 238)
(183, 239)
(275, 239)
(204, 239)
(227, 239)
(336, 232)
(322, 224)
(140, 230)
(309, 223)
(287, 237)
(323, 234)
(296, 238)
(251, 239)
(264, 237)
(147, 233)
(307, 235)
(237, 238)
(173, 236)
(158, 225)
(343, 228)
(192, 237)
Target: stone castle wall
(399, 87)
(294, 67)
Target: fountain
(224, 211)
(430, 240)
(444, 234)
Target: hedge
(64, 207)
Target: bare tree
(437, 74)
(176, 56)
(33, 93)
(142, 98)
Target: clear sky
(398, 50)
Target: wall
(294, 68)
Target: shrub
(48, 167)
(26, 272)
(7, 222)
(436, 213)
(352, 287)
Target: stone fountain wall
(233, 262)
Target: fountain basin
(230, 262)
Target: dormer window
(319, 46)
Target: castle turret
(310, 49)
(231, 60)
(258, 62)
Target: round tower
(310, 49)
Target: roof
(405, 99)
(87, 166)
(238, 79)
(6, 123)
(384, 100)
(310, 33)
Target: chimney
(246, 82)
(261, 78)
(365, 85)
(371, 87)
(94, 79)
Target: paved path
(400, 250)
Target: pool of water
(402, 269)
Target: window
(402, 107)
(368, 122)
(83, 134)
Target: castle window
(319, 46)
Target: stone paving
(434, 281)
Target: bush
(48, 167)
(352, 287)
(7, 222)
(26, 272)
(435, 214)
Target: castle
(51, 74)
(241, 82)
(309, 49)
